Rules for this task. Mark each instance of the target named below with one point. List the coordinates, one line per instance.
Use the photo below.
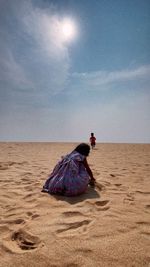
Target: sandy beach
(108, 226)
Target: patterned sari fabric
(69, 176)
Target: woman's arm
(86, 165)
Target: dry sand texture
(108, 227)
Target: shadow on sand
(90, 194)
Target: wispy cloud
(33, 54)
(101, 79)
(12, 74)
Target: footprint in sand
(21, 241)
(102, 205)
(105, 183)
(83, 250)
(81, 224)
(118, 185)
(33, 215)
(143, 192)
(129, 197)
(13, 221)
(3, 166)
(73, 225)
(72, 213)
(28, 188)
(31, 197)
(145, 233)
(112, 175)
(25, 180)
(143, 223)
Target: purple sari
(69, 176)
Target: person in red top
(92, 140)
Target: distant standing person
(92, 140)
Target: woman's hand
(92, 181)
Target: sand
(108, 226)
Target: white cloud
(11, 72)
(100, 79)
(32, 53)
(45, 28)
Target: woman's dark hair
(83, 149)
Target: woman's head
(83, 149)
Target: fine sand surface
(103, 227)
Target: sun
(69, 30)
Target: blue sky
(56, 90)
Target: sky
(57, 87)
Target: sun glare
(68, 30)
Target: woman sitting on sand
(72, 174)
